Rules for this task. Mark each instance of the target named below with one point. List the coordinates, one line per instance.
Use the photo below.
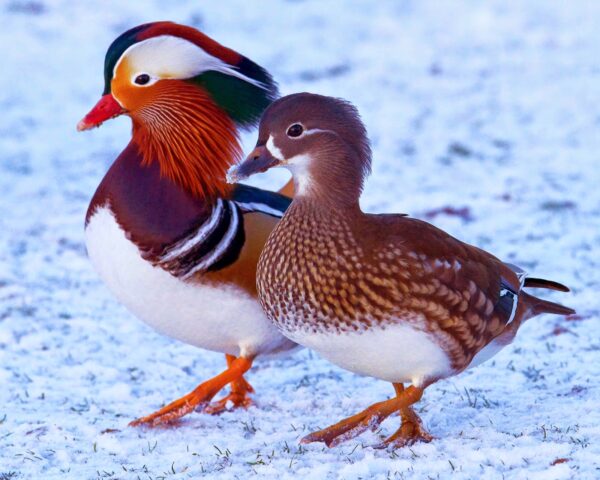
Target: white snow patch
(485, 106)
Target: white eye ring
(295, 130)
(143, 79)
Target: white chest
(398, 353)
(224, 319)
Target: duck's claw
(238, 398)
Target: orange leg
(238, 396)
(201, 395)
(370, 418)
(411, 430)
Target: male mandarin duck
(382, 295)
(175, 243)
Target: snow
(484, 120)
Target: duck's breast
(220, 317)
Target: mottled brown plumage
(416, 303)
(352, 272)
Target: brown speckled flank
(346, 282)
(316, 275)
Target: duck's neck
(193, 141)
(319, 213)
(334, 185)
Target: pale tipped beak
(106, 108)
(259, 160)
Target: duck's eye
(295, 130)
(142, 79)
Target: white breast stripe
(260, 207)
(221, 248)
(201, 234)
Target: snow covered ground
(485, 120)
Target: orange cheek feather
(179, 125)
(131, 97)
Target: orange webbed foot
(174, 410)
(353, 426)
(199, 397)
(370, 418)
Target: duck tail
(543, 283)
(538, 306)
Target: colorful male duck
(382, 295)
(173, 241)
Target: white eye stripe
(166, 56)
(312, 131)
(307, 131)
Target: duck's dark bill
(259, 160)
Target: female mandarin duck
(382, 295)
(173, 241)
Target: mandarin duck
(175, 243)
(385, 295)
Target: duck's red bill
(106, 108)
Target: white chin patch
(299, 167)
(169, 57)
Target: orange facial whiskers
(194, 141)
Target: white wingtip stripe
(515, 298)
